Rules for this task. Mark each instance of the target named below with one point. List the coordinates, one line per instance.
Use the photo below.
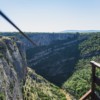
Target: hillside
(80, 31)
(66, 63)
(17, 81)
(40, 39)
(80, 82)
(37, 88)
(56, 61)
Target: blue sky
(51, 15)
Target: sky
(51, 15)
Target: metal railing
(95, 81)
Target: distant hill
(80, 31)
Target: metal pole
(7, 19)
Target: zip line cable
(7, 19)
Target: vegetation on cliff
(80, 82)
(66, 63)
(37, 88)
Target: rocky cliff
(17, 81)
(12, 68)
(55, 61)
(41, 39)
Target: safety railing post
(93, 82)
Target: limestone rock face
(12, 68)
(17, 81)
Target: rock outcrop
(12, 68)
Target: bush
(2, 96)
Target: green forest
(76, 76)
(80, 82)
